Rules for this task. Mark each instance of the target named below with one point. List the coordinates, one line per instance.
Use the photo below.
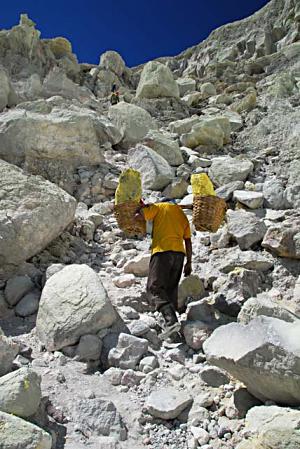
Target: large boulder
(210, 132)
(155, 170)
(132, 121)
(246, 228)
(7, 93)
(111, 60)
(264, 305)
(20, 392)
(16, 433)
(56, 140)
(33, 212)
(165, 146)
(157, 81)
(224, 170)
(8, 352)
(71, 309)
(186, 85)
(260, 355)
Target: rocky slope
(81, 361)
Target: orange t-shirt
(170, 227)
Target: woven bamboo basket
(125, 216)
(208, 212)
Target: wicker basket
(125, 216)
(208, 212)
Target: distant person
(115, 96)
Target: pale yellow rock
(246, 104)
(60, 46)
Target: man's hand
(187, 268)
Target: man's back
(170, 227)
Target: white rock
(167, 403)
(127, 280)
(157, 81)
(253, 200)
(139, 266)
(71, 309)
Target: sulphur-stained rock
(259, 355)
(8, 351)
(190, 287)
(224, 170)
(246, 104)
(155, 171)
(128, 352)
(17, 433)
(246, 228)
(69, 310)
(28, 205)
(167, 403)
(157, 81)
(283, 239)
(183, 126)
(111, 60)
(20, 392)
(210, 132)
(60, 46)
(207, 90)
(164, 146)
(132, 121)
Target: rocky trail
(81, 361)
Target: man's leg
(160, 273)
(177, 266)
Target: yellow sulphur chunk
(202, 185)
(129, 187)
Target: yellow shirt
(170, 227)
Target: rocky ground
(81, 361)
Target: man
(114, 98)
(171, 242)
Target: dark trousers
(164, 275)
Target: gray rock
(20, 392)
(157, 81)
(8, 351)
(253, 200)
(207, 90)
(7, 93)
(16, 288)
(177, 189)
(70, 310)
(165, 146)
(259, 355)
(114, 375)
(148, 364)
(89, 348)
(214, 376)
(132, 378)
(29, 304)
(97, 417)
(132, 121)
(111, 60)
(245, 259)
(167, 403)
(32, 204)
(4, 310)
(186, 85)
(246, 228)
(155, 170)
(224, 170)
(16, 433)
(274, 195)
(128, 352)
(244, 401)
(263, 305)
(195, 333)
(226, 191)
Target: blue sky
(140, 30)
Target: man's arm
(188, 250)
